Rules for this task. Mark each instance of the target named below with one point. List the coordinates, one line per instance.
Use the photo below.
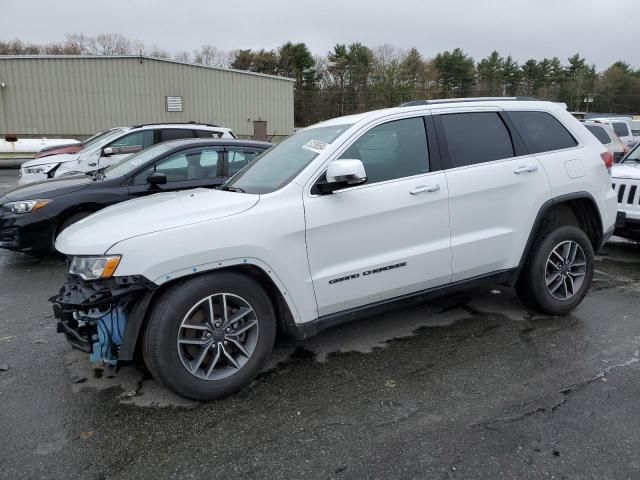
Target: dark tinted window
(392, 150)
(541, 132)
(476, 138)
(620, 129)
(175, 134)
(599, 133)
(208, 134)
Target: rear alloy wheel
(209, 336)
(558, 272)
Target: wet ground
(469, 386)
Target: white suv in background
(115, 146)
(608, 138)
(340, 220)
(626, 184)
(621, 126)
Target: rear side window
(208, 134)
(541, 132)
(620, 128)
(476, 138)
(600, 133)
(175, 134)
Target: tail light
(607, 158)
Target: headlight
(44, 168)
(93, 268)
(25, 206)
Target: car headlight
(26, 206)
(44, 168)
(93, 268)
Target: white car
(626, 184)
(608, 138)
(113, 147)
(622, 126)
(340, 220)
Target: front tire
(209, 336)
(558, 271)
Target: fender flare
(544, 208)
(139, 311)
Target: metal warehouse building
(77, 96)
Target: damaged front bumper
(103, 317)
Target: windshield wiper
(231, 189)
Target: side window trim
(519, 147)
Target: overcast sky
(601, 30)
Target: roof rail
(415, 103)
(177, 123)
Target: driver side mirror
(156, 178)
(107, 152)
(341, 174)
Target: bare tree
(111, 44)
(212, 57)
(183, 56)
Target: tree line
(355, 78)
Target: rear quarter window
(600, 133)
(542, 132)
(620, 128)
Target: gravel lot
(469, 386)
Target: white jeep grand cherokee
(626, 184)
(341, 219)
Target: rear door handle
(425, 188)
(525, 169)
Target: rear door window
(476, 137)
(600, 133)
(620, 128)
(167, 134)
(208, 134)
(542, 132)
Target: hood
(626, 170)
(97, 233)
(48, 188)
(59, 158)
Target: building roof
(140, 57)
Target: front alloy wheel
(210, 335)
(218, 336)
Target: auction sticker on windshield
(315, 146)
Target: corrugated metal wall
(78, 96)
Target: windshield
(111, 135)
(129, 164)
(98, 136)
(633, 156)
(280, 164)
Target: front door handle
(425, 188)
(525, 169)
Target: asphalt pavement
(468, 386)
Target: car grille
(628, 192)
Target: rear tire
(558, 271)
(209, 336)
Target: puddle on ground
(138, 389)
